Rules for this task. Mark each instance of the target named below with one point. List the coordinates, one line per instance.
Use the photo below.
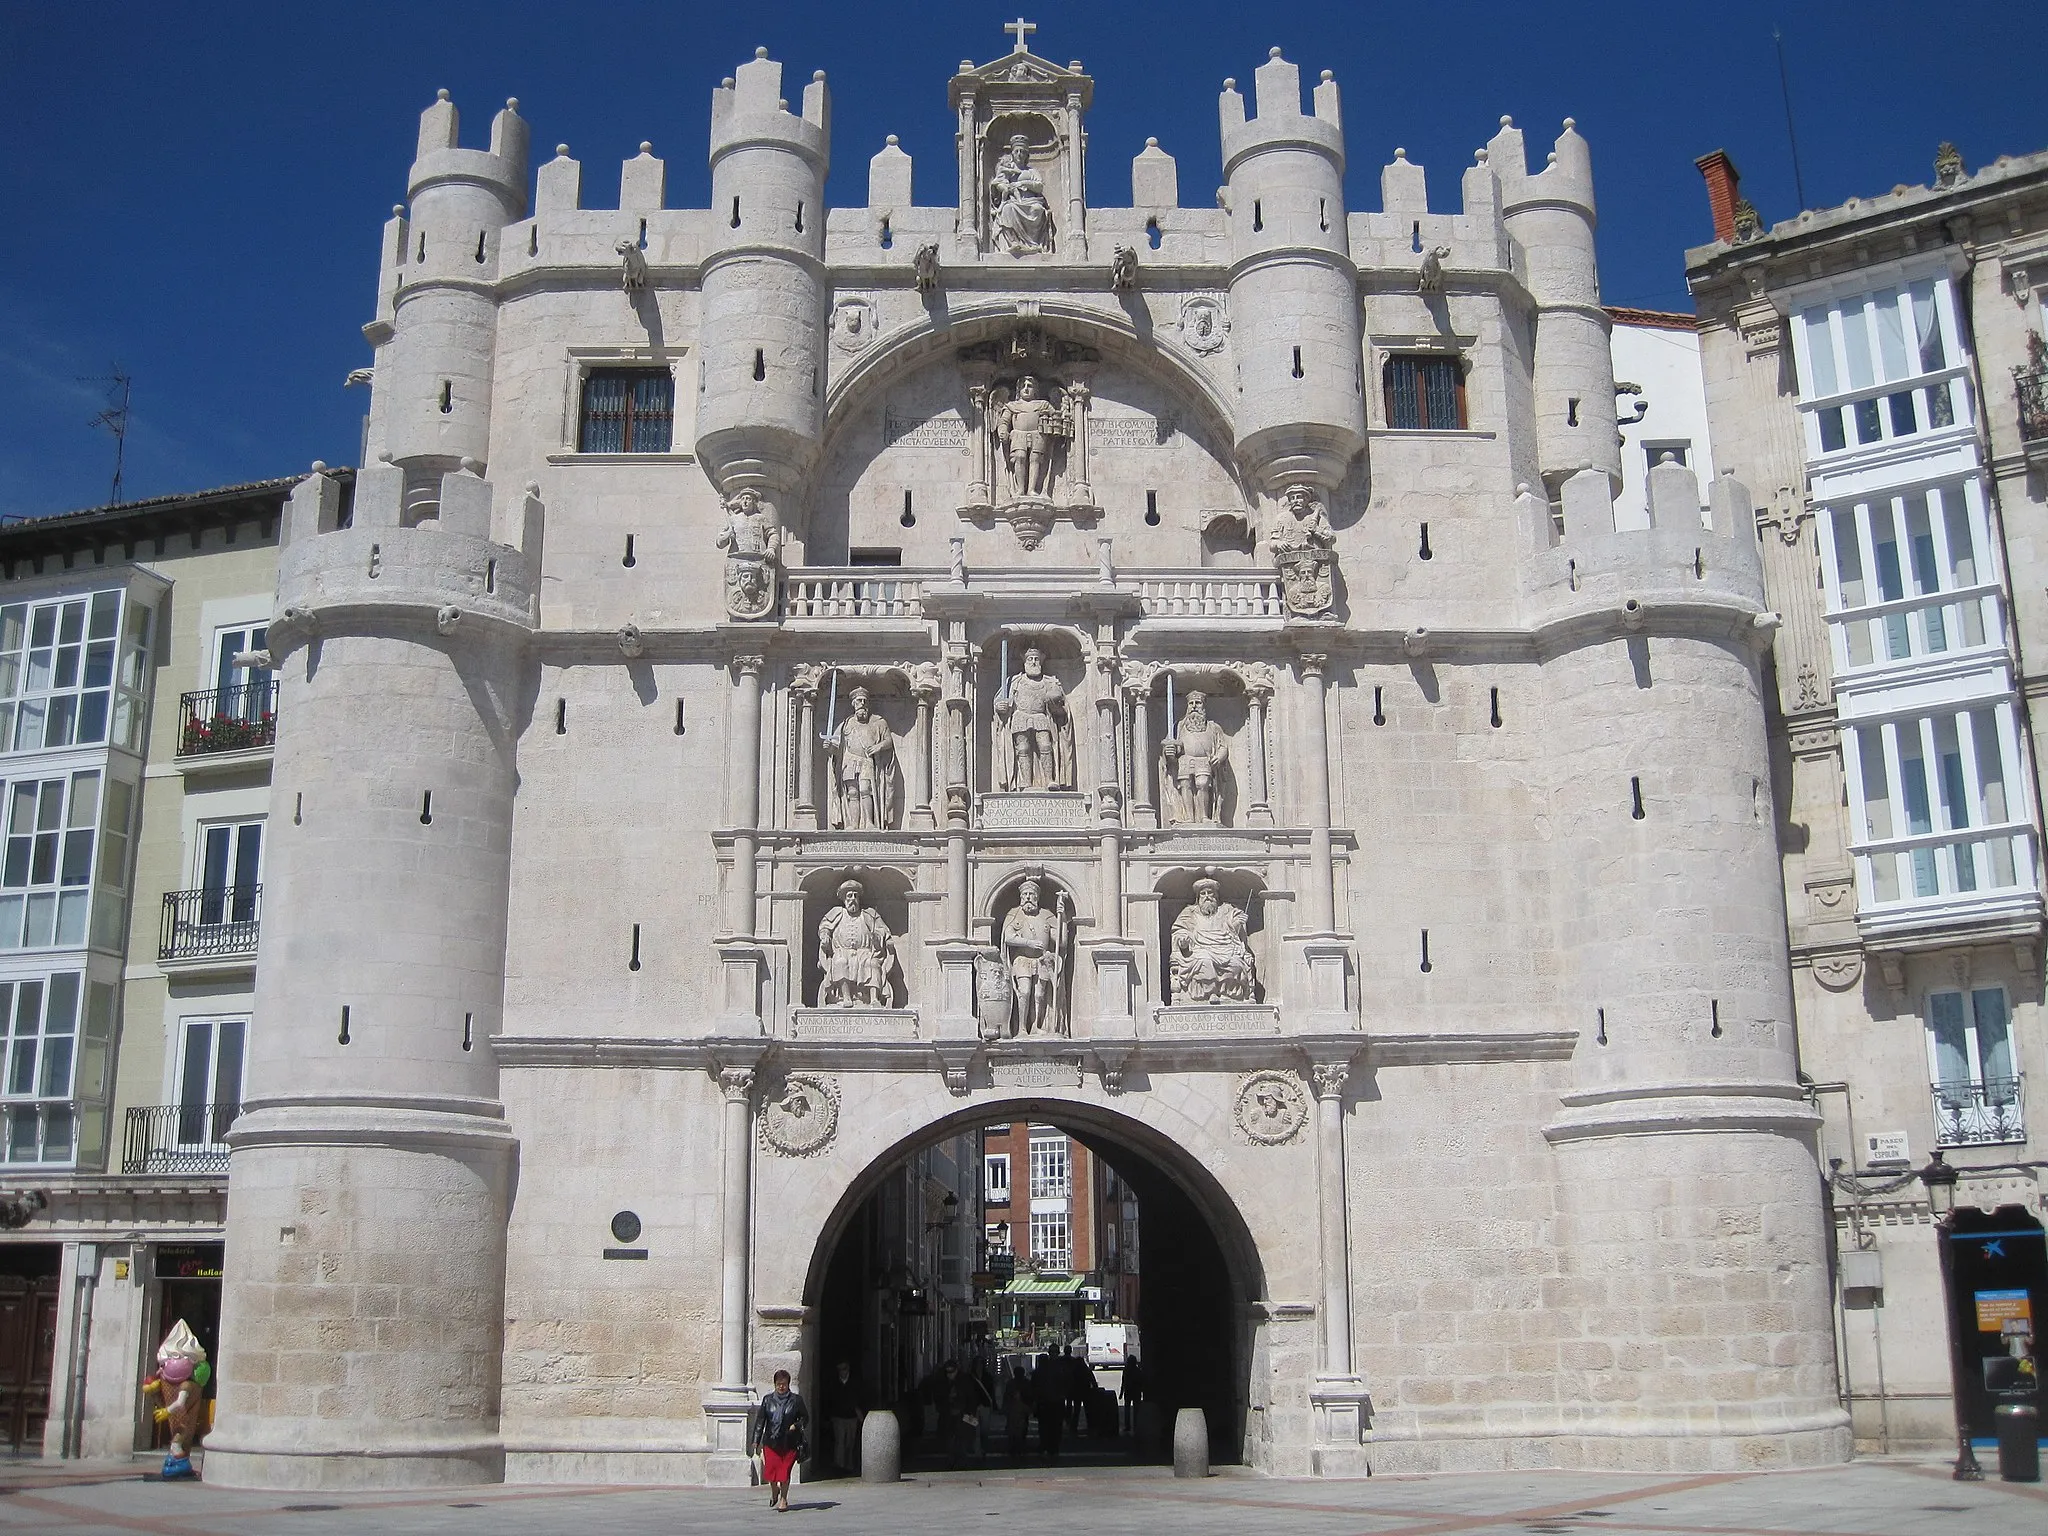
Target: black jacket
(779, 1424)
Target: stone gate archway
(1223, 1342)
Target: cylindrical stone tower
(761, 414)
(364, 1307)
(1550, 218)
(1690, 1237)
(1293, 287)
(434, 374)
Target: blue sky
(194, 192)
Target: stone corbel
(1112, 1061)
(956, 1063)
(1892, 966)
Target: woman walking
(778, 1430)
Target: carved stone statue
(1028, 428)
(924, 267)
(1432, 279)
(863, 754)
(753, 546)
(1123, 269)
(1210, 961)
(853, 948)
(1019, 218)
(1034, 951)
(1034, 733)
(1304, 550)
(1191, 760)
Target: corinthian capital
(1330, 1077)
(736, 1083)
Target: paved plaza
(1891, 1498)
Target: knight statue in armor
(1019, 219)
(853, 950)
(1034, 950)
(1034, 732)
(753, 546)
(1191, 761)
(863, 753)
(1210, 961)
(1028, 427)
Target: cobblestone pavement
(1890, 1498)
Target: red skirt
(776, 1465)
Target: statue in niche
(1304, 549)
(1034, 734)
(1028, 428)
(1019, 218)
(1191, 760)
(853, 948)
(753, 546)
(1034, 951)
(862, 751)
(1210, 961)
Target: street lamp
(1940, 1182)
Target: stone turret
(372, 1156)
(1550, 219)
(434, 372)
(1293, 287)
(1685, 1095)
(762, 413)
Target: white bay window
(1881, 366)
(1940, 806)
(1909, 574)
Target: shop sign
(195, 1261)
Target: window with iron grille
(1425, 393)
(627, 410)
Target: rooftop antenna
(1791, 133)
(114, 419)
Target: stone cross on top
(1023, 29)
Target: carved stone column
(729, 1402)
(1137, 679)
(1318, 902)
(980, 451)
(803, 687)
(1338, 1394)
(1080, 493)
(743, 775)
(925, 686)
(1109, 798)
(1258, 685)
(959, 795)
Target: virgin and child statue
(1019, 218)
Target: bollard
(881, 1447)
(2019, 1442)
(1190, 1443)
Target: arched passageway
(910, 1272)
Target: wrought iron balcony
(228, 719)
(1979, 1114)
(2030, 386)
(177, 1138)
(211, 923)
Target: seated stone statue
(1210, 961)
(853, 949)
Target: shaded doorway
(28, 1342)
(1027, 1233)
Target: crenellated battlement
(447, 569)
(748, 109)
(1405, 230)
(1566, 179)
(1669, 569)
(440, 160)
(1279, 122)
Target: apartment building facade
(135, 742)
(1874, 373)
